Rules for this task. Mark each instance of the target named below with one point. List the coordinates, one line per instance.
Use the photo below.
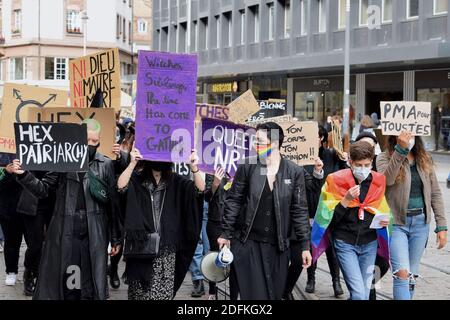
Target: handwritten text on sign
(225, 144)
(301, 142)
(52, 147)
(212, 111)
(398, 116)
(165, 108)
(95, 81)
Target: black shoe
(310, 286)
(337, 288)
(373, 294)
(199, 289)
(288, 296)
(114, 279)
(28, 283)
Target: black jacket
(102, 227)
(291, 209)
(216, 200)
(10, 192)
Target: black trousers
(34, 235)
(13, 230)
(296, 266)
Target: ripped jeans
(407, 245)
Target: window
(363, 7)
(195, 36)
(440, 7)
(227, 18)
(287, 18)
(322, 17)
(303, 26)
(271, 21)
(387, 11)
(217, 31)
(124, 28)
(73, 22)
(16, 69)
(412, 9)
(17, 21)
(242, 12)
(56, 69)
(342, 14)
(130, 30)
(142, 26)
(256, 24)
(118, 27)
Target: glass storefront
(273, 87)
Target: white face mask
(412, 143)
(361, 173)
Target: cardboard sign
(269, 109)
(285, 118)
(127, 113)
(337, 137)
(95, 80)
(165, 108)
(57, 147)
(398, 116)
(105, 117)
(301, 142)
(212, 111)
(224, 144)
(17, 99)
(243, 107)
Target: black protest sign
(269, 109)
(57, 147)
(411, 116)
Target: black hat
(367, 134)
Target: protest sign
(105, 117)
(182, 169)
(398, 116)
(127, 113)
(165, 108)
(212, 111)
(17, 99)
(224, 144)
(243, 107)
(301, 142)
(57, 147)
(269, 109)
(285, 118)
(336, 134)
(95, 80)
(6, 158)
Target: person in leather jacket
(266, 201)
(74, 257)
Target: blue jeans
(408, 243)
(357, 264)
(202, 248)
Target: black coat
(10, 192)
(102, 227)
(291, 209)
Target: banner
(17, 99)
(95, 80)
(224, 144)
(243, 107)
(398, 116)
(301, 142)
(165, 108)
(57, 147)
(212, 111)
(105, 117)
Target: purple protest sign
(165, 105)
(224, 144)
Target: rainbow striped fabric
(333, 192)
(264, 152)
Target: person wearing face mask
(413, 194)
(162, 224)
(349, 202)
(74, 256)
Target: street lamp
(346, 120)
(85, 18)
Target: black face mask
(92, 150)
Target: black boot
(199, 289)
(28, 283)
(310, 285)
(114, 279)
(373, 294)
(288, 296)
(337, 288)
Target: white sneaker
(11, 279)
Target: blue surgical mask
(361, 173)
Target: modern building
(294, 50)
(39, 37)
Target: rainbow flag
(333, 192)
(264, 152)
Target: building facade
(39, 37)
(294, 50)
(142, 25)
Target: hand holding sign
(404, 138)
(17, 167)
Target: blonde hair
(367, 122)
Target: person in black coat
(271, 192)
(74, 259)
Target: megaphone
(214, 267)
